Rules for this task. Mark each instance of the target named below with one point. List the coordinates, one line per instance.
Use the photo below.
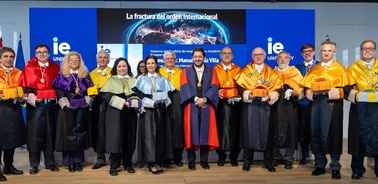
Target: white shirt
(170, 71)
(226, 67)
(7, 69)
(323, 64)
(309, 63)
(199, 72)
(43, 64)
(72, 71)
(370, 64)
(152, 75)
(103, 72)
(259, 67)
(123, 77)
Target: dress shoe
(303, 161)
(270, 168)
(318, 171)
(356, 176)
(2, 177)
(71, 168)
(205, 165)
(129, 169)
(221, 162)
(12, 170)
(52, 168)
(192, 165)
(179, 163)
(234, 163)
(33, 170)
(336, 175)
(78, 167)
(246, 167)
(113, 172)
(277, 162)
(98, 166)
(288, 165)
(160, 170)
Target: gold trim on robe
(226, 79)
(175, 77)
(291, 76)
(337, 75)
(366, 79)
(249, 78)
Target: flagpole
(15, 40)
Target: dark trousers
(357, 165)
(321, 161)
(116, 158)
(305, 149)
(177, 156)
(204, 153)
(100, 158)
(72, 157)
(8, 158)
(249, 153)
(35, 158)
(234, 154)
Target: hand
(317, 93)
(220, 93)
(294, 93)
(85, 106)
(2, 96)
(69, 106)
(127, 104)
(200, 102)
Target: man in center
(199, 99)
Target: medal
(199, 84)
(77, 90)
(227, 83)
(42, 80)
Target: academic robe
(175, 130)
(363, 116)
(228, 114)
(327, 115)
(97, 114)
(284, 113)
(72, 124)
(120, 125)
(12, 126)
(305, 108)
(40, 120)
(204, 132)
(152, 122)
(256, 127)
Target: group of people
(163, 111)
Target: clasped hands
(201, 103)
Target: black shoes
(318, 171)
(288, 165)
(12, 170)
(78, 167)
(97, 166)
(246, 167)
(234, 163)
(205, 165)
(356, 176)
(71, 168)
(221, 162)
(179, 163)
(336, 175)
(129, 169)
(192, 165)
(270, 168)
(277, 162)
(303, 161)
(33, 170)
(2, 177)
(52, 168)
(113, 172)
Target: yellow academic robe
(174, 78)
(292, 76)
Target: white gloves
(288, 94)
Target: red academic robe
(205, 133)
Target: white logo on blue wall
(60, 48)
(276, 47)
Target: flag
(1, 42)
(20, 59)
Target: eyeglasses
(74, 60)
(307, 51)
(367, 49)
(255, 55)
(142, 66)
(226, 53)
(40, 53)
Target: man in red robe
(199, 99)
(36, 79)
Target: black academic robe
(284, 116)
(12, 127)
(175, 120)
(355, 146)
(97, 117)
(120, 129)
